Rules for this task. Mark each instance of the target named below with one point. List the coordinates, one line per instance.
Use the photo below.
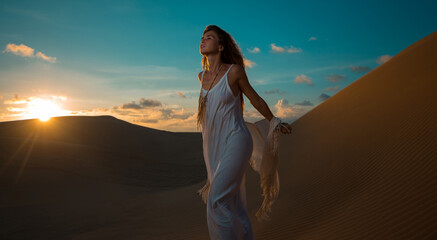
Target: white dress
(227, 148)
(230, 145)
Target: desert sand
(361, 165)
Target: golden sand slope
(363, 164)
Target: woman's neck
(214, 64)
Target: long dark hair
(230, 55)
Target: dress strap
(203, 72)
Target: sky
(139, 60)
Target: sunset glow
(44, 109)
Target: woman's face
(209, 43)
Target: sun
(43, 109)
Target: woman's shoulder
(237, 70)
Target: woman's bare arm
(254, 98)
(256, 101)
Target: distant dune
(72, 174)
(105, 148)
(361, 165)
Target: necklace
(203, 98)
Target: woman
(227, 141)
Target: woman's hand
(285, 128)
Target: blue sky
(139, 60)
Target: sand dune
(106, 148)
(361, 165)
(76, 174)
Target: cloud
(294, 50)
(19, 50)
(303, 79)
(63, 98)
(291, 49)
(176, 119)
(288, 112)
(312, 39)
(44, 57)
(131, 105)
(324, 96)
(276, 49)
(248, 63)
(383, 59)
(275, 91)
(150, 102)
(305, 103)
(26, 51)
(17, 100)
(254, 50)
(360, 69)
(143, 103)
(252, 115)
(175, 113)
(152, 113)
(335, 77)
(147, 120)
(13, 109)
(331, 89)
(284, 109)
(181, 95)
